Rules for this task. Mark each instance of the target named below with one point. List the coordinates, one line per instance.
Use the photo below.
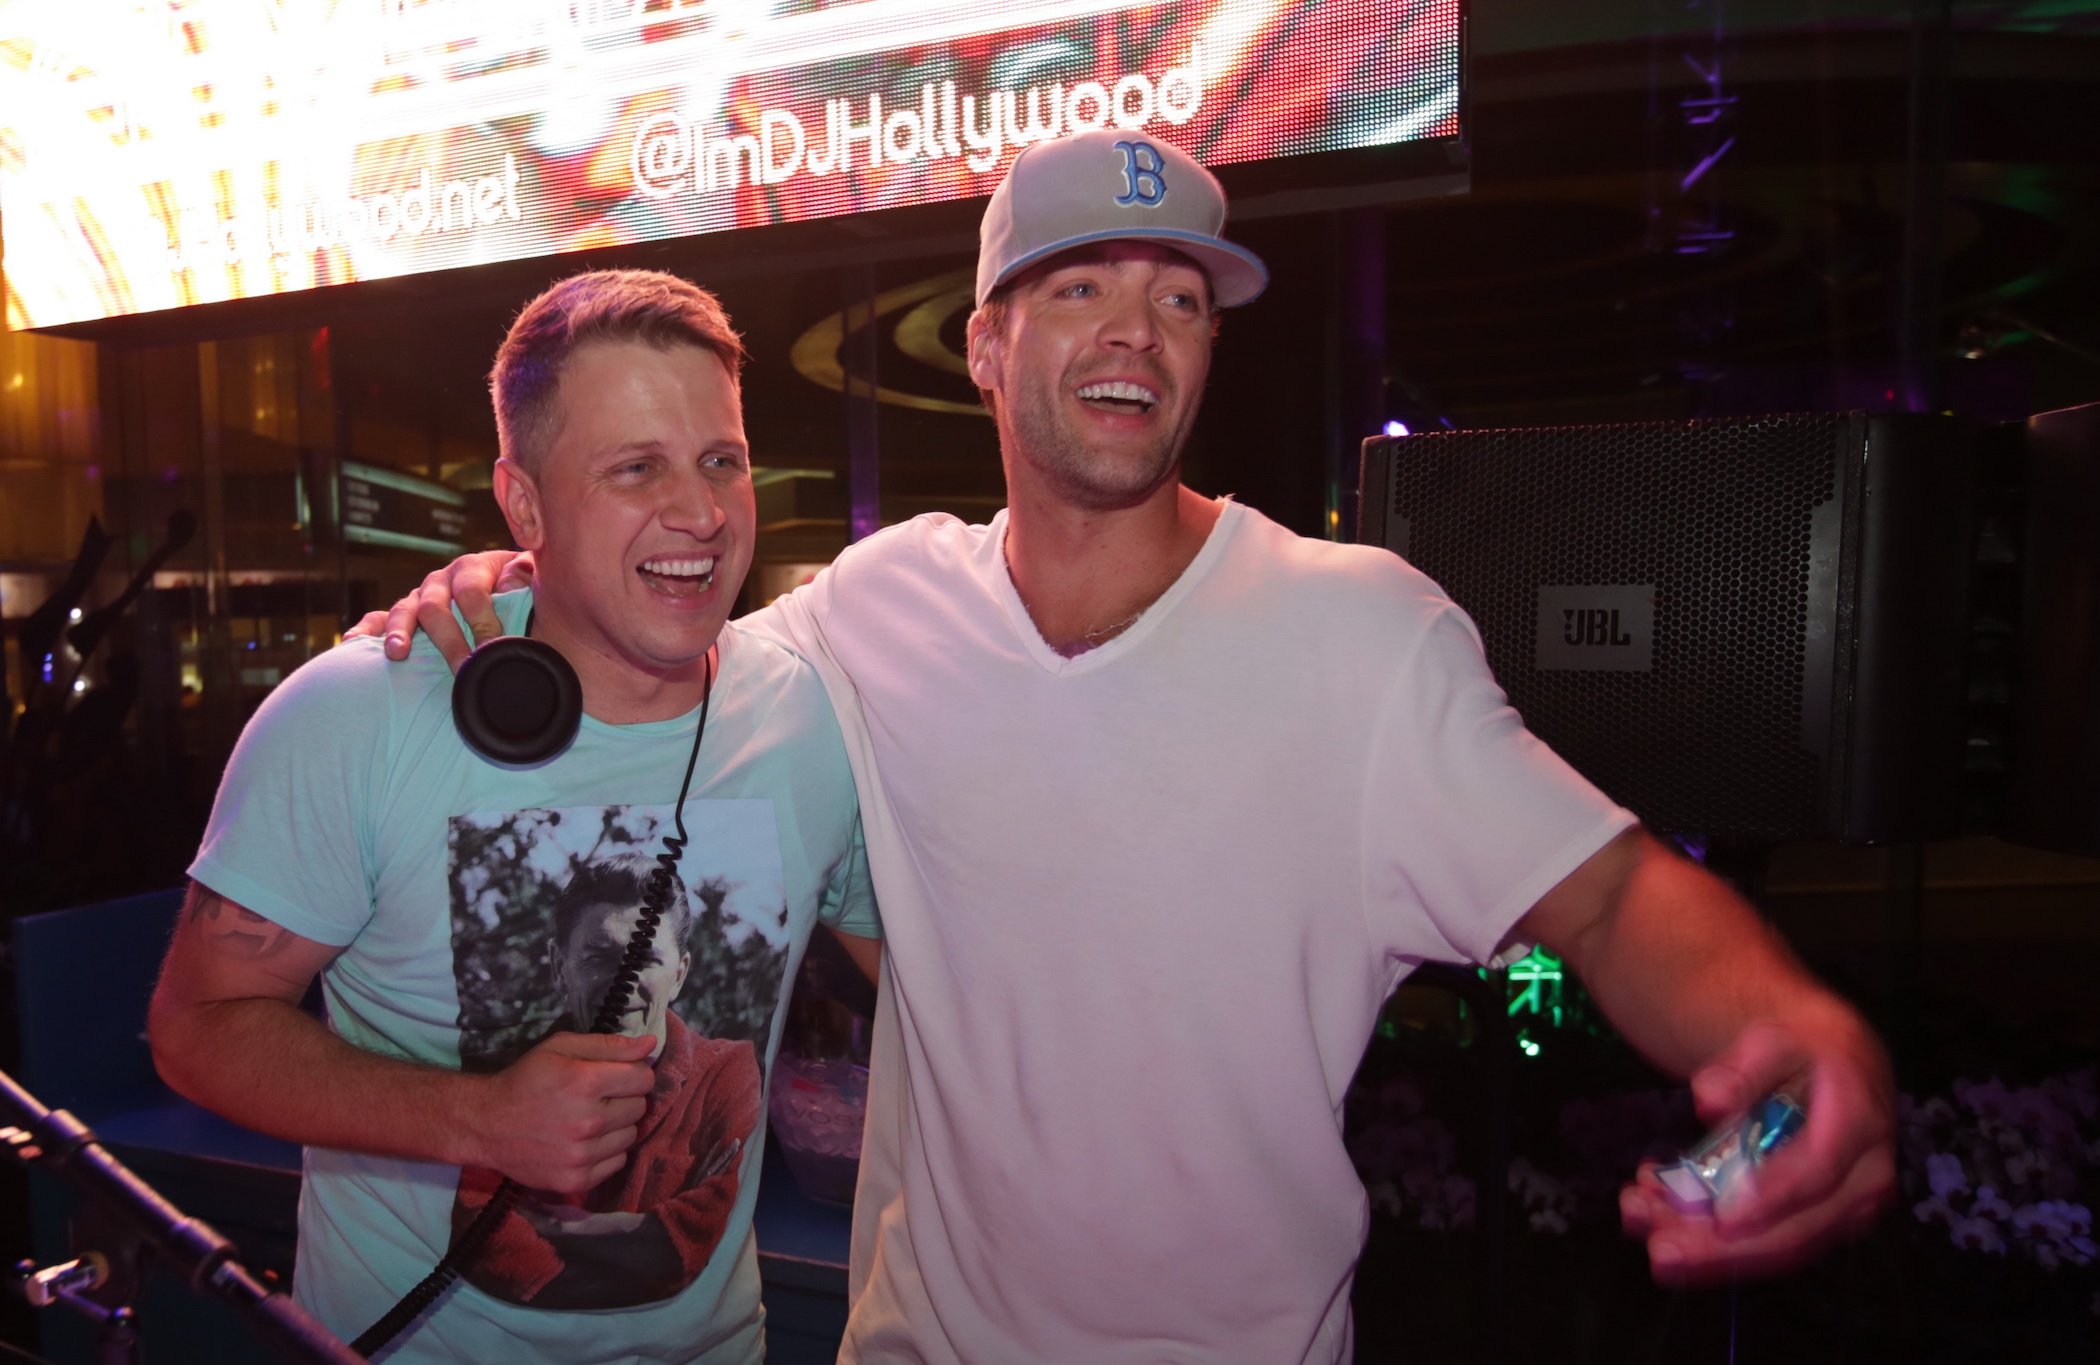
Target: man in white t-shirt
(1162, 801)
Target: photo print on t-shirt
(544, 905)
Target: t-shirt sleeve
(795, 621)
(783, 620)
(849, 901)
(799, 622)
(1469, 817)
(290, 833)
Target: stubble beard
(1088, 476)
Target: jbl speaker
(1746, 628)
(2056, 792)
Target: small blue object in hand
(1726, 1156)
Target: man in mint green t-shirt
(446, 900)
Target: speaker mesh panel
(1718, 515)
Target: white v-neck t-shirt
(1142, 907)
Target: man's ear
(981, 349)
(519, 497)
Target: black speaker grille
(1719, 516)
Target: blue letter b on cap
(1144, 180)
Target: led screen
(159, 153)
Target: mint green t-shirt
(352, 814)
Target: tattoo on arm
(237, 928)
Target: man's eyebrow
(649, 446)
(652, 446)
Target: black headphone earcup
(517, 700)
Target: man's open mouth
(686, 577)
(1119, 395)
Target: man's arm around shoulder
(228, 1032)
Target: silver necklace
(1101, 633)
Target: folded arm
(228, 1032)
(1694, 978)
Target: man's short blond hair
(649, 306)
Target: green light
(1535, 985)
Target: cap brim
(1236, 274)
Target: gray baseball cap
(1111, 185)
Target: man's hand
(1824, 1186)
(227, 1032)
(1690, 975)
(562, 1117)
(472, 581)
